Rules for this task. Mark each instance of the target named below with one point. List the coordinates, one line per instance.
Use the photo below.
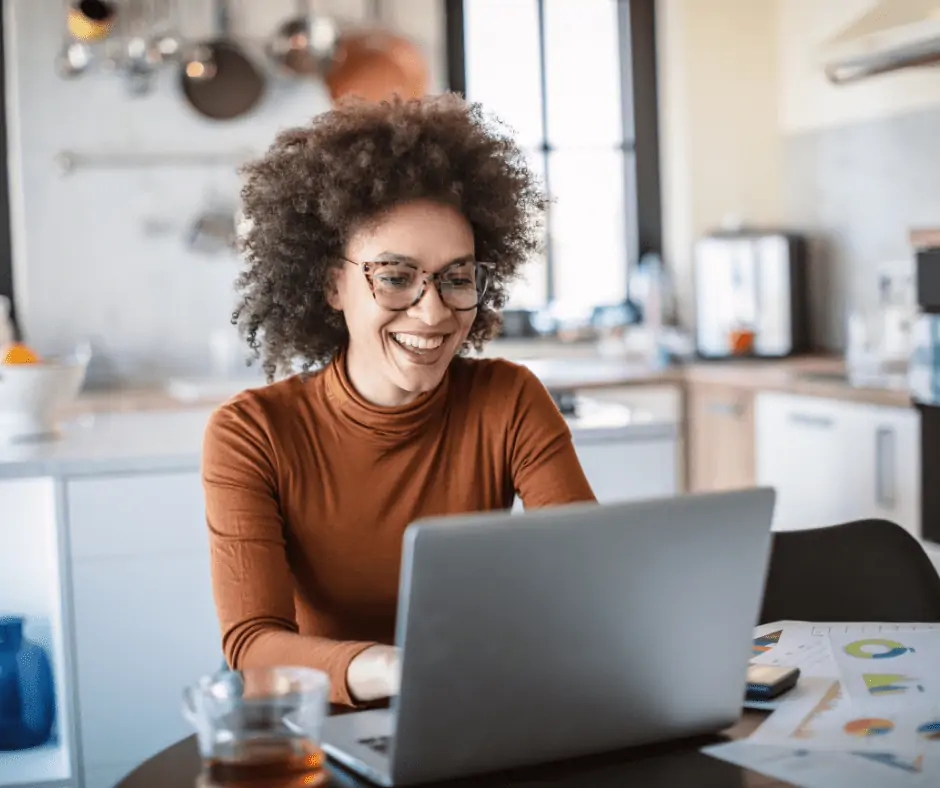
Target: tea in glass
(260, 725)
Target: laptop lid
(574, 630)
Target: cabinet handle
(725, 408)
(808, 420)
(884, 468)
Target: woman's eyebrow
(395, 257)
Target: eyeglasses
(398, 285)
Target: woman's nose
(430, 308)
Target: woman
(379, 243)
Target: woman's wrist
(373, 674)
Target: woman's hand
(374, 674)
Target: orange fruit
(18, 353)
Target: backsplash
(104, 253)
(856, 190)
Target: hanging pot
(218, 79)
(91, 20)
(305, 45)
(377, 64)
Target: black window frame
(6, 245)
(639, 112)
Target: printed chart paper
(850, 722)
(888, 670)
(818, 769)
(795, 646)
(822, 717)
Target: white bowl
(33, 395)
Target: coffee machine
(750, 295)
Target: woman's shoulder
(499, 377)
(265, 408)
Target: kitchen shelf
(47, 764)
(32, 587)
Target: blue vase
(27, 691)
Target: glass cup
(260, 725)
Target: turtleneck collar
(382, 423)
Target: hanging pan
(218, 79)
(376, 64)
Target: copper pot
(376, 65)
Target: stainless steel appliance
(927, 361)
(750, 294)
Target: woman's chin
(421, 371)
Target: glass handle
(884, 468)
(725, 409)
(808, 420)
(190, 710)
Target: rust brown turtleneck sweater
(309, 489)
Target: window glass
(582, 73)
(503, 63)
(588, 228)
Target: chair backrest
(867, 570)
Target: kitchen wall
(751, 128)
(101, 253)
(720, 138)
(861, 163)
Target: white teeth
(419, 342)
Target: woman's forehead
(429, 235)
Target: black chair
(868, 570)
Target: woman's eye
(394, 281)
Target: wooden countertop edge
(782, 377)
(924, 237)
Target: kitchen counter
(170, 439)
(813, 376)
(112, 443)
(580, 368)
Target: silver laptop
(565, 632)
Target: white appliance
(750, 295)
(891, 35)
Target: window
(569, 77)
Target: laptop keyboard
(379, 744)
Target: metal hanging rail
(69, 161)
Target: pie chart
(876, 648)
(930, 730)
(869, 726)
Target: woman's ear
(334, 288)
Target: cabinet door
(808, 450)
(836, 461)
(629, 470)
(145, 623)
(890, 445)
(720, 438)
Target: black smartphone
(765, 682)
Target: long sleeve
(545, 468)
(251, 576)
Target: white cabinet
(629, 469)
(144, 621)
(833, 461)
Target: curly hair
(320, 182)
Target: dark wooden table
(671, 765)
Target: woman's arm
(545, 468)
(251, 577)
